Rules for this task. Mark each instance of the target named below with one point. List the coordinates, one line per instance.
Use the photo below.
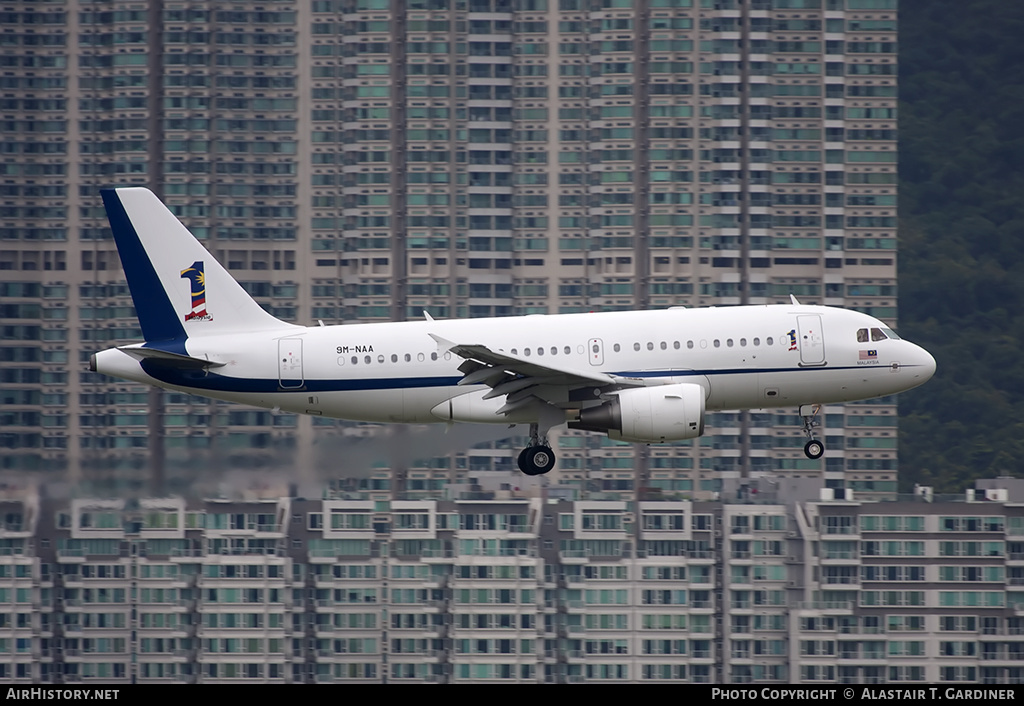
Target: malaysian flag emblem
(197, 277)
(869, 355)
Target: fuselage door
(595, 351)
(289, 363)
(812, 340)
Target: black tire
(814, 449)
(536, 460)
(523, 466)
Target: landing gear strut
(537, 458)
(814, 448)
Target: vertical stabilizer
(180, 291)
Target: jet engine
(648, 414)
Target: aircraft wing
(522, 380)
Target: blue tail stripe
(157, 316)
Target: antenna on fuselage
(792, 298)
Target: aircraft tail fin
(179, 289)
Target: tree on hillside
(962, 237)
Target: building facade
(366, 160)
(509, 586)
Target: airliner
(638, 376)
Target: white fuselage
(744, 358)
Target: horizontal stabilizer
(174, 360)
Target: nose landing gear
(814, 448)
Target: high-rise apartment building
(366, 160)
(514, 587)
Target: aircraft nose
(930, 365)
(924, 364)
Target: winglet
(793, 300)
(443, 344)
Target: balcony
(829, 606)
(860, 630)
(841, 556)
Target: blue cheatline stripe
(202, 380)
(157, 317)
(745, 371)
(213, 382)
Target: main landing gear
(537, 458)
(814, 448)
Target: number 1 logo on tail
(197, 278)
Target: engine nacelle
(648, 414)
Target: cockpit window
(876, 334)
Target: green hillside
(962, 237)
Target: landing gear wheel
(522, 461)
(814, 448)
(536, 460)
